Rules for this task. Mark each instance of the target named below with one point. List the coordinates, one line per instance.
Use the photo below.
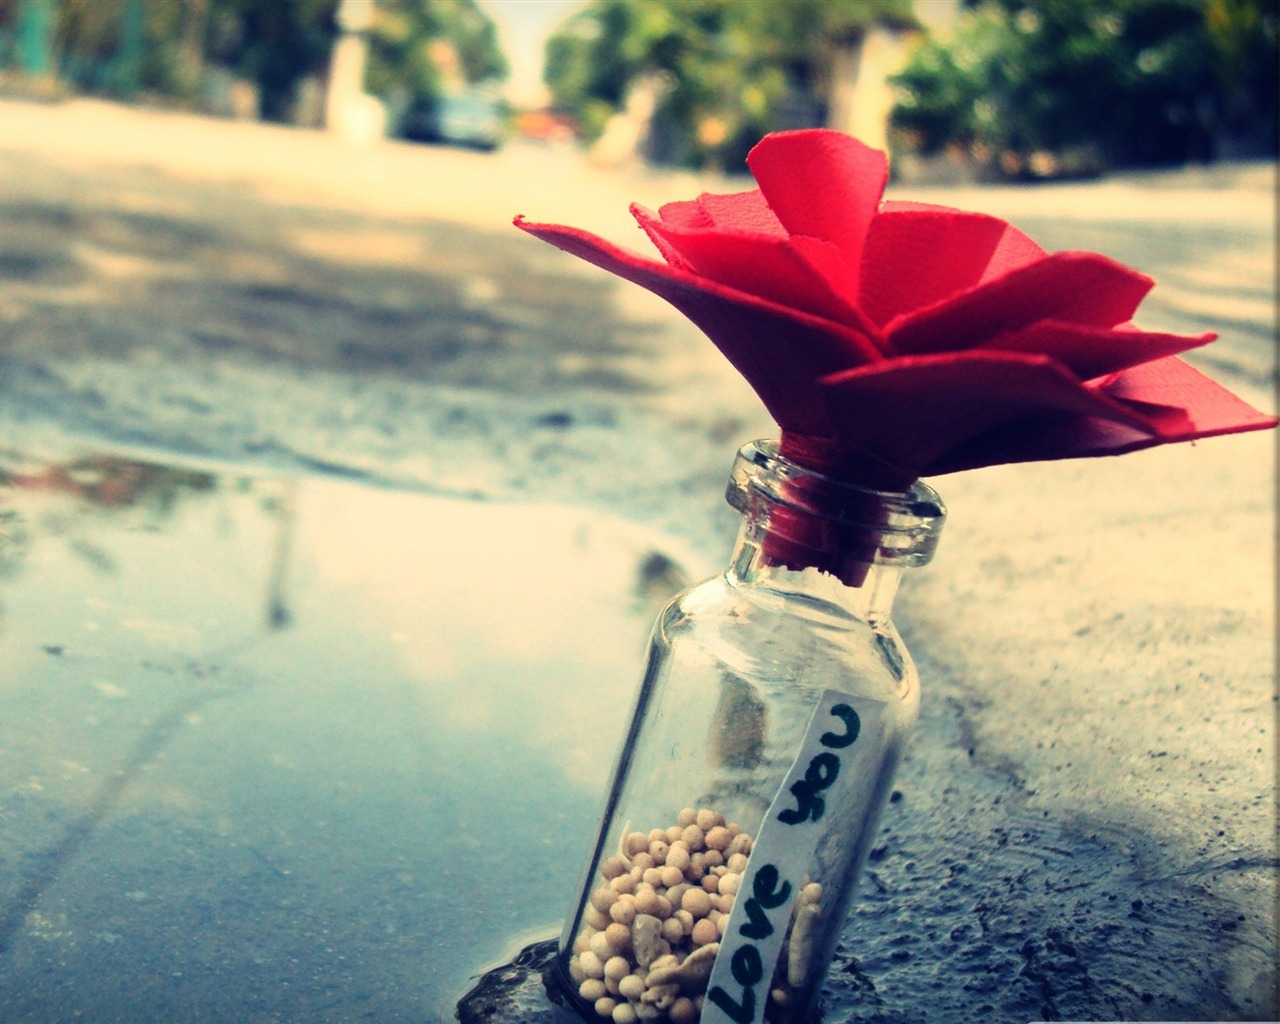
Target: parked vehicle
(464, 119)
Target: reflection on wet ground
(293, 750)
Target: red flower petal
(745, 212)
(1181, 402)
(803, 273)
(781, 352)
(822, 184)
(647, 221)
(683, 213)
(740, 211)
(894, 341)
(911, 412)
(1044, 438)
(918, 255)
(735, 211)
(1078, 287)
(1177, 402)
(1090, 352)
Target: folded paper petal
(917, 256)
(1182, 403)
(683, 213)
(1078, 287)
(1177, 402)
(1090, 352)
(737, 211)
(740, 211)
(823, 185)
(780, 351)
(893, 340)
(910, 412)
(804, 273)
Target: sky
(523, 26)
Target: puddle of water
(294, 750)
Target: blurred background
(1012, 89)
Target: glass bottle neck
(822, 542)
(868, 597)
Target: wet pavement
(334, 515)
(279, 749)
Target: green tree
(727, 71)
(412, 42)
(1245, 44)
(1103, 82)
(163, 47)
(275, 45)
(167, 47)
(26, 34)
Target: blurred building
(349, 111)
(861, 97)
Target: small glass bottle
(746, 795)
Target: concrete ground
(1087, 826)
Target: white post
(349, 112)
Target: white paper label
(836, 768)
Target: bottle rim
(900, 528)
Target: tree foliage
(725, 71)
(1103, 82)
(169, 47)
(275, 45)
(416, 46)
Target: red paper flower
(895, 340)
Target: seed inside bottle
(652, 927)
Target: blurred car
(461, 119)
